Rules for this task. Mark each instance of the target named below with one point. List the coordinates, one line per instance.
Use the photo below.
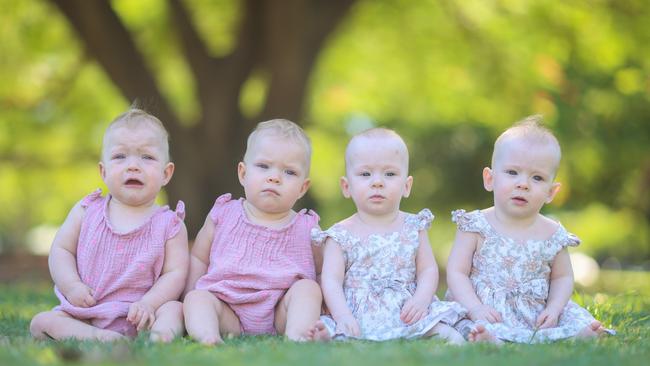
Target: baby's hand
(414, 309)
(348, 325)
(484, 312)
(141, 315)
(80, 295)
(548, 318)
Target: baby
(379, 273)
(253, 265)
(118, 262)
(509, 264)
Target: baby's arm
(417, 307)
(332, 285)
(63, 261)
(459, 266)
(169, 285)
(559, 292)
(200, 258)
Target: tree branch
(108, 41)
(201, 63)
(303, 27)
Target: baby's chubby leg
(169, 322)
(207, 317)
(298, 312)
(60, 325)
(447, 333)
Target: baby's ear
(407, 186)
(102, 171)
(488, 179)
(305, 187)
(553, 191)
(345, 187)
(168, 172)
(241, 172)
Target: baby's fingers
(418, 316)
(491, 317)
(355, 330)
(497, 316)
(133, 316)
(414, 315)
(89, 300)
(403, 315)
(146, 322)
(547, 323)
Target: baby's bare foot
(105, 335)
(594, 329)
(212, 341)
(162, 337)
(480, 334)
(317, 333)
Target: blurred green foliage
(448, 75)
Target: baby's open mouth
(133, 182)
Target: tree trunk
(280, 37)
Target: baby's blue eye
(365, 174)
(262, 165)
(538, 178)
(390, 174)
(511, 172)
(290, 172)
(148, 157)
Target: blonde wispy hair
(134, 118)
(532, 130)
(282, 128)
(377, 132)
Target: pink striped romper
(120, 268)
(252, 266)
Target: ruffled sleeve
(318, 236)
(568, 239)
(467, 221)
(423, 219)
(311, 218)
(219, 204)
(177, 220)
(93, 197)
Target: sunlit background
(447, 75)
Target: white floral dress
(380, 275)
(513, 277)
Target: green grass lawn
(620, 299)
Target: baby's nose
(522, 184)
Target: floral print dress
(380, 275)
(513, 277)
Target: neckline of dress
(137, 228)
(495, 232)
(260, 226)
(380, 235)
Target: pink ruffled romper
(252, 266)
(119, 267)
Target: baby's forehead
(145, 135)
(363, 147)
(272, 140)
(536, 150)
